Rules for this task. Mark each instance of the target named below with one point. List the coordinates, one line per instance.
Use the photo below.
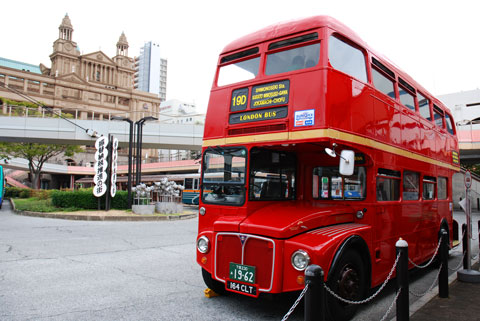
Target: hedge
(16, 192)
(84, 199)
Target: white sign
(468, 179)
(113, 179)
(101, 166)
(305, 118)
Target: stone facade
(90, 86)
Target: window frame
(432, 181)
(395, 177)
(353, 45)
(430, 118)
(410, 91)
(405, 175)
(439, 178)
(386, 73)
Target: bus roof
(291, 27)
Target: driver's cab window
(329, 184)
(272, 175)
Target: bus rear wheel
(213, 284)
(348, 280)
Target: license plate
(243, 288)
(243, 273)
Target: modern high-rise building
(151, 71)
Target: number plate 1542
(244, 273)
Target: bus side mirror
(347, 162)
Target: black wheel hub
(348, 283)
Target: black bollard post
(464, 246)
(443, 277)
(403, 309)
(315, 295)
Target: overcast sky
(435, 42)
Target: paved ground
(54, 269)
(462, 304)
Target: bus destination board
(264, 114)
(272, 94)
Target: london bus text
(318, 150)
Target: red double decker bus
(317, 150)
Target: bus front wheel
(348, 280)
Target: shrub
(15, 192)
(25, 193)
(85, 199)
(41, 194)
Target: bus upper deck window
(424, 107)
(448, 121)
(438, 116)
(405, 92)
(293, 59)
(241, 70)
(347, 58)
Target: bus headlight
(300, 260)
(203, 244)
(202, 210)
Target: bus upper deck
(302, 80)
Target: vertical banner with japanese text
(101, 166)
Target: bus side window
(449, 122)
(347, 58)
(383, 83)
(388, 185)
(407, 94)
(429, 187)
(424, 107)
(438, 116)
(442, 192)
(411, 186)
(188, 183)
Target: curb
(83, 217)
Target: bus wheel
(215, 285)
(348, 280)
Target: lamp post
(130, 146)
(139, 123)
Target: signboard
(304, 118)
(468, 179)
(113, 178)
(101, 166)
(272, 94)
(264, 114)
(239, 99)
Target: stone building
(88, 86)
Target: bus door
(387, 216)
(411, 221)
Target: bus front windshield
(223, 179)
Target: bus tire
(215, 285)
(349, 281)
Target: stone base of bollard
(469, 276)
(143, 209)
(168, 207)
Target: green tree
(36, 154)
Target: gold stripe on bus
(326, 133)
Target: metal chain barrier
(391, 306)
(418, 295)
(296, 303)
(431, 260)
(373, 295)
